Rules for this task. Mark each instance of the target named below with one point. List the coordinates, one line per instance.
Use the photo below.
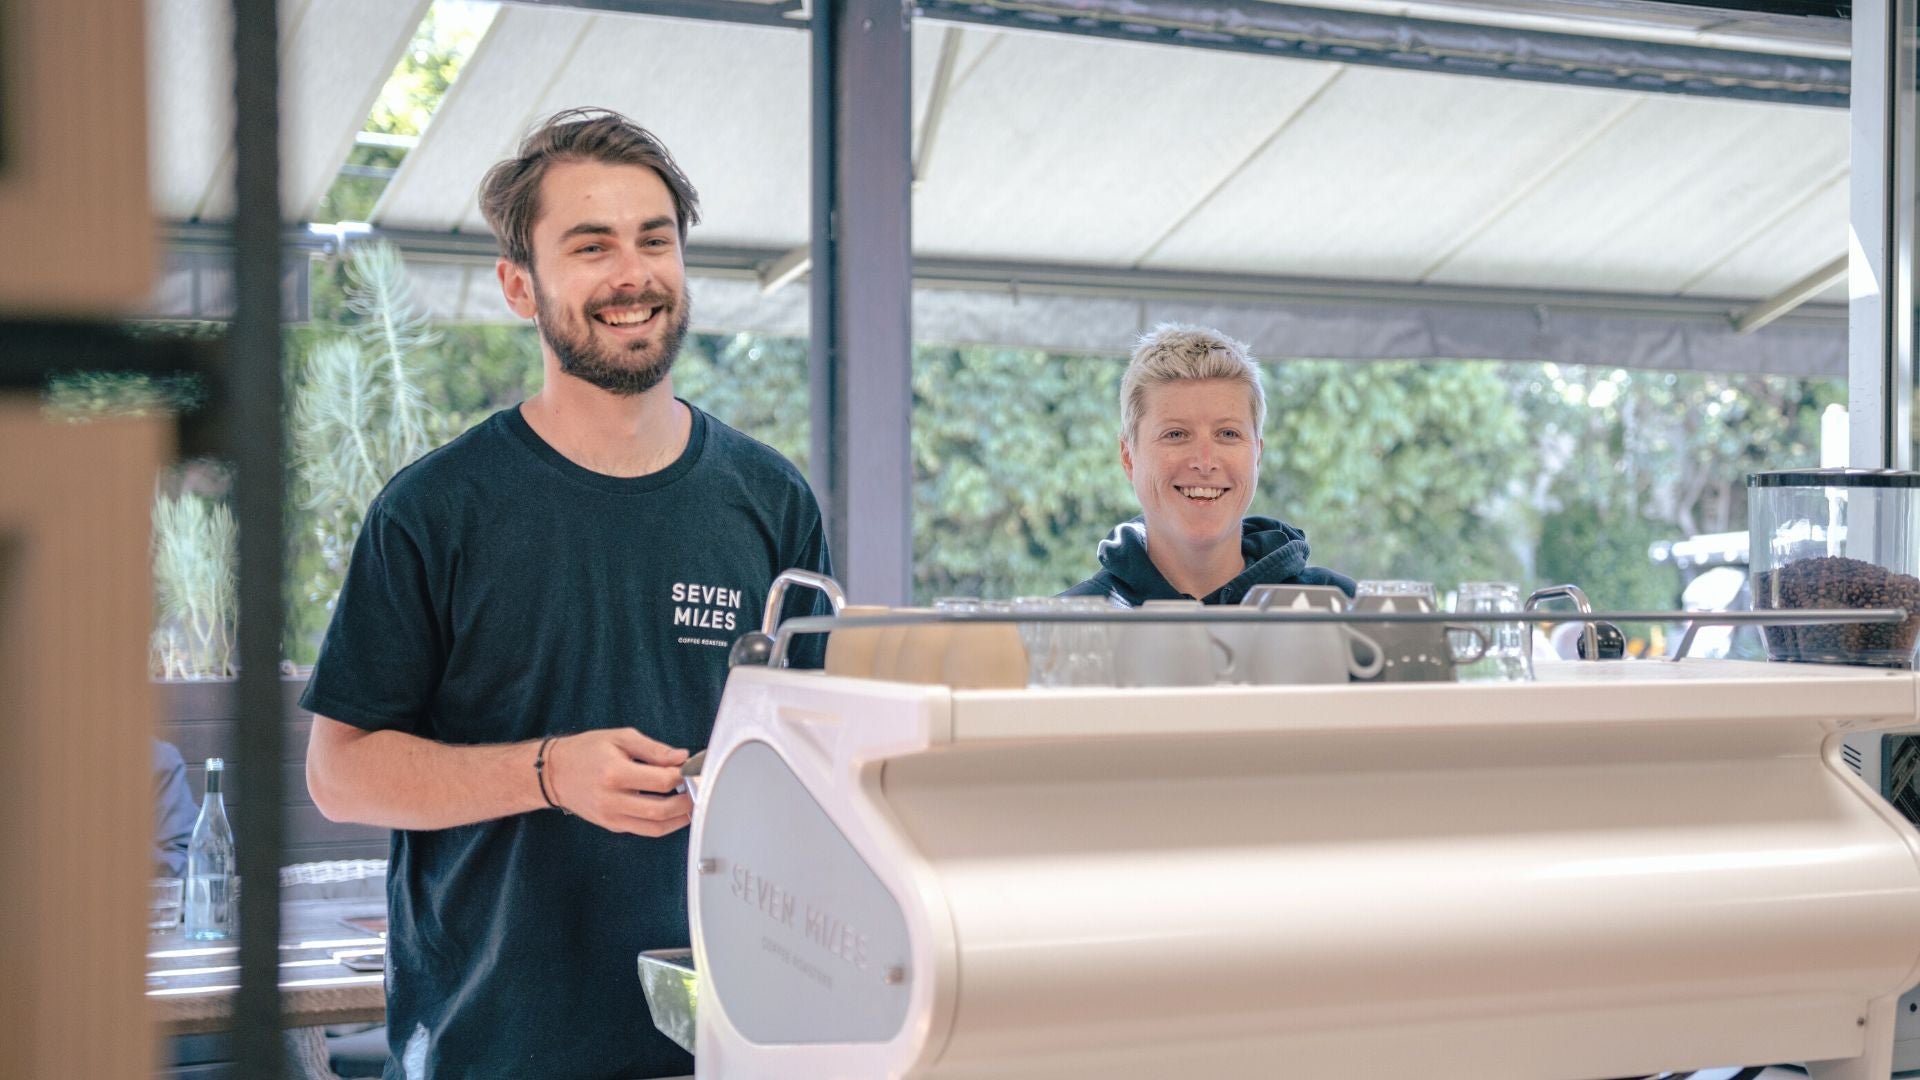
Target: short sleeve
(386, 648)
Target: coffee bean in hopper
(1837, 582)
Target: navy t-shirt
(498, 592)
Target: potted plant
(195, 578)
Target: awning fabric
(1050, 148)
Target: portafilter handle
(764, 646)
(1588, 636)
(777, 595)
(690, 778)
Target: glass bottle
(210, 864)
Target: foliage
(81, 396)
(1016, 472)
(1400, 470)
(194, 539)
(1446, 472)
(1629, 457)
(1606, 555)
(195, 564)
(756, 384)
(441, 45)
(475, 370)
(359, 416)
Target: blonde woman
(1191, 412)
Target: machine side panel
(803, 942)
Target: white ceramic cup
(1170, 654)
(1284, 654)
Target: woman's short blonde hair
(1176, 353)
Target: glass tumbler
(1089, 645)
(163, 904)
(1395, 595)
(1506, 656)
(1045, 652)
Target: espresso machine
(1614, 869)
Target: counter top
(1735, 692)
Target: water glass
(1040, 638)
(1066, 653)
(1384, 595)
(1089, 644)
(1506, 657)
(163, 904)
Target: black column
(862, 282)
(250, 402)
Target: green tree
(753, 383)
(441, 45)
(1630, 457)
(1400, 469)
(1016, 469)
(359, 415)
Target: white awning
(1050, 149)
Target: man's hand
(620, 780)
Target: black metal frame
(1838, 9)
(1392, 41)
(256, 438)
(862, 295)
(779, 13)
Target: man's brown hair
(510, 193)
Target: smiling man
(1191, 412)
(534, 633)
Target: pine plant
(359, 412)
(195, 576)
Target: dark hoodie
(1276, 554)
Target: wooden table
(192, 984)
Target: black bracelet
(540, 773)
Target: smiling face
(1194, 461)
(607, 287)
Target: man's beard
(623, 371)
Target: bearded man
(534, 633)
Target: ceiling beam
(786, 270)
(756, 264)
(1373, 39)
(943, 80)
(1793, 296)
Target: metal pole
(1880, 309)
(862, 281)
(251, 404)
(1897, 411)
(825, 437)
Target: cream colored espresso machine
(1616, 869)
